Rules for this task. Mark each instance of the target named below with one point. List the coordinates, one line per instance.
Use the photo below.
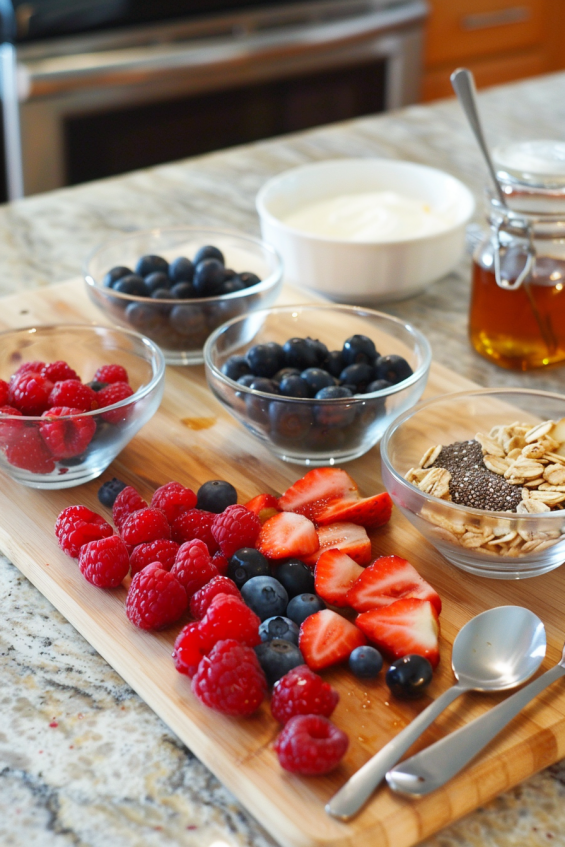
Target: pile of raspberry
(55, 393)
(177, 557)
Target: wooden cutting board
(191, 439)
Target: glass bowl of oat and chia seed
(481, 474)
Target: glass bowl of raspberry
(71, 398)
(317, 384)
(176, 285)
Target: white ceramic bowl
(364, 271)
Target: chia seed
(471, 483)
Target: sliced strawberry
(404, 627)
(335, 573)
(347, 537)
(287, 534)
(388, 579)
(326, 638)
(265, 506)
(368, 512)
(310, 495)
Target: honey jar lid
(539, 163)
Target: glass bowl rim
(459, 508)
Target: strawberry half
(368, 512)
(287, 534)
(264, 506)
(335, 573)
(326, 638)
(387, 579)
(310, 494)
(347, 537)
(404, 627)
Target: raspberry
(310, 745)
(29, 452)
(66, 438)
(115, 393)
(221, 563)
(200, 601)
(28, 368)
(110, 374)
(230, 679)
(302, 692)
(126, 503)
(189, 649)
(104, 563)
(234, 528)
(30, 393)
(9, 429)
(195, 524)
(58, 371)
(74, 394)
(155, 598)
(4, 390)
(162, 550)
(193, 566)
(229, 617)
(145, 525)
(77, 525)
(173, 499)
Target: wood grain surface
(191, 439)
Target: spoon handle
(357, 790)
(434, 766)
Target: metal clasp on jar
(519, 232)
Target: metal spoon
(439, 762)
(494, 651)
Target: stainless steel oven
(130, 84)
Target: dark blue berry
(393, 368)
(108, 492)
(265, 359)
(296, 577)
(358, 375)
(155, 281)
(289, 421)
(265, 595)
(181, 269)
(277, 658)
(334, 363)
(247, 563)
(365, 662)
(96, 385)
(261, 383)
(359, 349)
(248, 279)
(230, 286)
(246, 379)
(279, 627)
(317, 379)
(187, 320)
(280, 375)
(320, 350)
(132, 284)
(183, 291)
(142, 316)
(334, 414)
(161, 294)
(151, 264)
(334, 392)
(114, 275)
(215, 496)
(208, 278)
(235, 367)
(302, 606)
(208, 252)
(294, 386)
(299, 354)
(377, 385)
(409, 676)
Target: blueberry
(319, 348)
(299, 354)
(265, 359)
(248, 279)
(229, 273)
(302, 606)
(114, 275)
(230, 286)
(377, 385)
(334, 392)
(96, 385)
(296, 577)
(142, 316)
(265, 595)
(326, 439)
(317, 379)
(247, 563)
(161, 294)
(187, 320)
(279, 627)
(258, 407)
(409, 676)
(277, 658)
(392, 368)
(108, 492)
(294, 386)
(334, 363)
(132, 284)
(289, 421)
(235, 367)
(260, 383)
(334, 414)
(365, 662)
(181, 269)
(215, 496)
(155, 281)
(358, 375)
(151, 264)
(280, 375)
(359, 349)
(183, 291)
(208, 277)
(245, 380)
(208, 252)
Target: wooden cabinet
(499, 40)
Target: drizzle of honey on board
(198, 423)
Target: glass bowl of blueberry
(177, 285)
(317, 384)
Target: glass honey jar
(517, 311)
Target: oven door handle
(139, 65)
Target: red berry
(9, 429)
(77, 525)
(111, 373)
(28, 368)
(200, 601)
(310, 745)
(162, 550)
(4, 391)
(193, 566)
(234, 528)
(115, 393)
(155, 598)
(74, 394)
(302, 692)
(145, 525)
(173, 499)
(29, 452)
(59, 371)
(30, 393)
(126, 503)
(230, 679)
(69, 437)
(189, 649)
(229, 617)
(195, 524)
(221, 563)
(104, 563)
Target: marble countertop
(83, 761)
